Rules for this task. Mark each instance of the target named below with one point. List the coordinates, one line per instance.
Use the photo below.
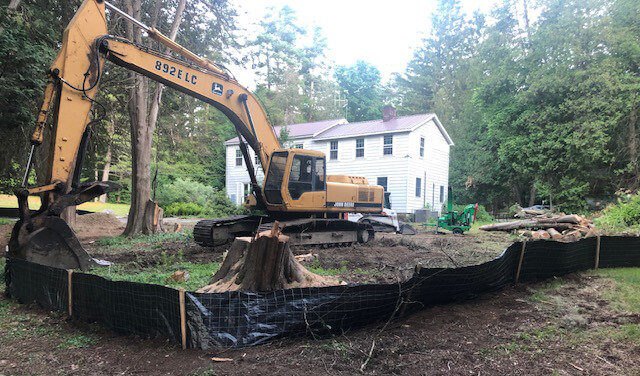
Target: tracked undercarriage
(305, 231)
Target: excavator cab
(296, 177)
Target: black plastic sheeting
(237, 319)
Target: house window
(383, 182)
(388, 145)
(246, 191)
(421, 147)
(418, 187)
(238, 157)
(334, 150)
(441, 193)
(299, 146)
(359, 147)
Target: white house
(407, 155)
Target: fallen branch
(373, 345)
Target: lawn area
(10, 201)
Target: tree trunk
(107, 161)
(526, 21)
(633, 142)
(263, 264)
(532, 194)
(143, 118)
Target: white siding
(434, 165)
(374, 164)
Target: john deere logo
(217, 88)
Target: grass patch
(123, 241)
(629, 332)
(531, 340)
(541, 294)
(6, 221)
(199, 274)
(317, 268)
(10, 201)
(626, 294)
(78, 341)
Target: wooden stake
(183, 319)
(597, 251)
(70, 291)
(524, 245)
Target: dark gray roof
(301, 130)
(399, 124)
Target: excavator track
(214, 232)
(326, 232)
(307, 231)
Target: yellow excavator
(308, 204)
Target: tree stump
(153, 217)
(263, 264)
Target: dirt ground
(565, 327)
(388, 258)
(498, 334)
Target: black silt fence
(236, 319)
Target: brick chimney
(388, 113)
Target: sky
(383, 33)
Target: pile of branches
(559, 227)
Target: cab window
(273, 182)
(306, 175)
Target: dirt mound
(97, 225)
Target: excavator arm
(74, 79)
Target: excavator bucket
(406, 229)
(47, 239)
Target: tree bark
(143, 117)
(107, 161)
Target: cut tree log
(572, 236)
(263, 264)
(540, 234)
(526, 224)
(555, 235)
(573, 218)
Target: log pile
(264, 263)
(561, 227)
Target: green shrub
(621, 216)
(183, 208)
(187, 197)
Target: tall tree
(362, 85)
(292, 69)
